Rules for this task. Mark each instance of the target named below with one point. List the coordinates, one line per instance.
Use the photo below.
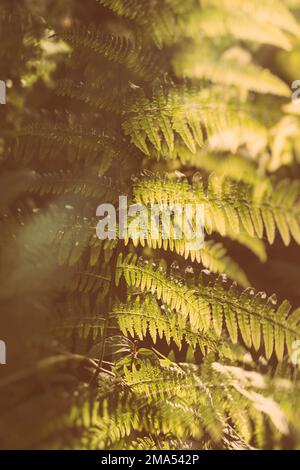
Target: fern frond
(254, 315)
(48, 140)
(235, 167)
(140, 317)
(193, 116)
(123, 351)
(89, 186)
(233, 66)
(125, 50)
(251, 313)
(212, 255)
(144, 316)
(152, 443)
(174, 293)
(82, 327)
(113, 47)
(196, 387)
(283, 142)
(15, 22)
(91, 280)
(242, 207)
(78, 317)
(70, 236)
(99, 95)
(266, 23)
(160, 23)
(63, 232)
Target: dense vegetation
(144, 343)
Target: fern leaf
(196, 305)
(233, 66)
(184, 114)
(173, 293)
(139, 317)
(126, 50)
(263, 24)
(227, 204)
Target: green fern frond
(177, 401)
(254, 315)
(89, 186)
(78, 317)
(176, 104)
(242, 207)
(70, 236)
(160, 23)
(63, 232)
(250, 313)
(47, 140)
(233, 66)
(211, 255)
(144, 316)
(16, 21)
(193, 116)
(235, 167)
(91, 280)
(82, 327)
(152, 443)
(140, 317)
(204, 386)
(266, 23)
(283, 142)
(214, 257)
(113, 47)
(126, 50)
(101, 96)
(171, 291)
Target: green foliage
(190, 115)
(251, 313)
(232, 66)
(141, 342)
(227, 204)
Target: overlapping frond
(100, 95)
(252, 314)
(252, 209)
(178, 401)
(89, 186)
(126, 49)
(137, 353)
(140, 317)
(212, 255)
(266, 23)
(232, 66)
(47, 140)
(235, 167)
(194, 116)
(80, 319)
(202, 396)
(160, 23)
